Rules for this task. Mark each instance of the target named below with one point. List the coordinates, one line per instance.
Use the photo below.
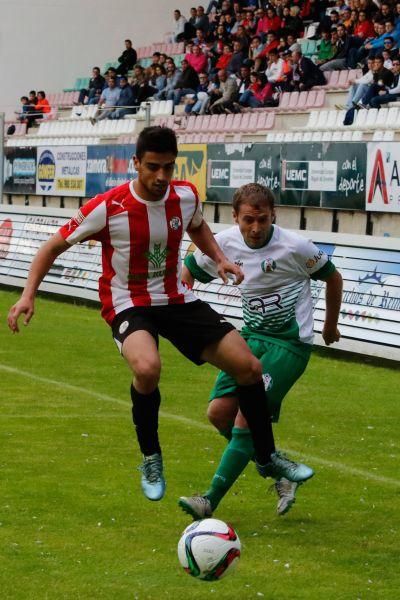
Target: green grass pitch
(74, 523)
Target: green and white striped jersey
(276, 291)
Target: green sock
(234, 460)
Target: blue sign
(108, 167)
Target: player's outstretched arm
(203, 237)
(40, 266)
(333, 300)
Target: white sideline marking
(192, 423)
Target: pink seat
(333, 80)
(245, 122)
(302, 102)
(284, 100)
(293, 100)
(320, 99)
(237, 119)
(229, 122)
(270, 120)
(212, 125)
(343, 79)
(252, 126)
(191, 123)
(311, 99)
(220, 126)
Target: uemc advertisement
(61, 171)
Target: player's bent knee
(250, 372)
(221, 412)
(147, 371)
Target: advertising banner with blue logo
(20, 170)
(107, 167)
(61, 171)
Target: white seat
(378, 136)
(340, 115)
(168, 107)
(322, 119)
(346, 135)
(388, 135)
(331, 120)
(316, 136)
(360, 120)
(327, 136)
(279, 136)
(154, 108)
(357, 136)
(393, 117)
(298, 136)
(381, 118)
(270, 137)
(337, 136)
(371, 118)
(312, 119)
(289, 135)
(307, 136)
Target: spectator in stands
(225, 58)
(127, 60)
(272, 22)
(382, 82)
(173, 75)
(179, 25)
(256, 47)
(96, 83)
(155, 59)
(241, 36)
(326, 50)
(108, 101)
(249, 23)
(359, 86)
(201, 21)
(27, 114)
(364, 28)
(306, 74)
(200, 39)
(33, 99)
(244, 79)
(339, 61)
(259, 91)
(186, 84)
(376, 46)
(222, 98)
(160, 77)
(197, 59)
(294, 23)
(125, 102)
(201, 98)
(42, 106)
(390, 94)
(271, 43)
(237, 58)
(331, 20)
(274, 70)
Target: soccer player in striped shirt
(140, 225)
(278, 326)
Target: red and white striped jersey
(141, 243)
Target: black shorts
(189, 327)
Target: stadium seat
(388, 135)
(280, 136)
(284, 100)
(393, 115)
(289, 136)
(372, 115)
(316, 136)
(293, 100)
(307, 136)
(270, 136)
(298, 136)
(327, 136)
(220, 124)
(357, 135)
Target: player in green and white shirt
(278, 326)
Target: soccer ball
(209, 549)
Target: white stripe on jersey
(95, 221)
(158, 229)
(118, 226)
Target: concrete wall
(47, 44)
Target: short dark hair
(42, 94)
(96, 69)
(33, 92)
(156, 139)
(255, 194)
(24, 98)
(130, 41)
(157, 54)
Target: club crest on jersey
(268, 382)
(239, 262)
(268, 265)
(175, 223)
(123, 327)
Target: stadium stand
(295, 112)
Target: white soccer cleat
(286, 491)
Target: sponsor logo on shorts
(123, 327)
(268, 265)
(268, 382)
(175, 223)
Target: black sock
(145, 418)
(252, 403)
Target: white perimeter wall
(47, 44)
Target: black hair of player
(161, 140)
